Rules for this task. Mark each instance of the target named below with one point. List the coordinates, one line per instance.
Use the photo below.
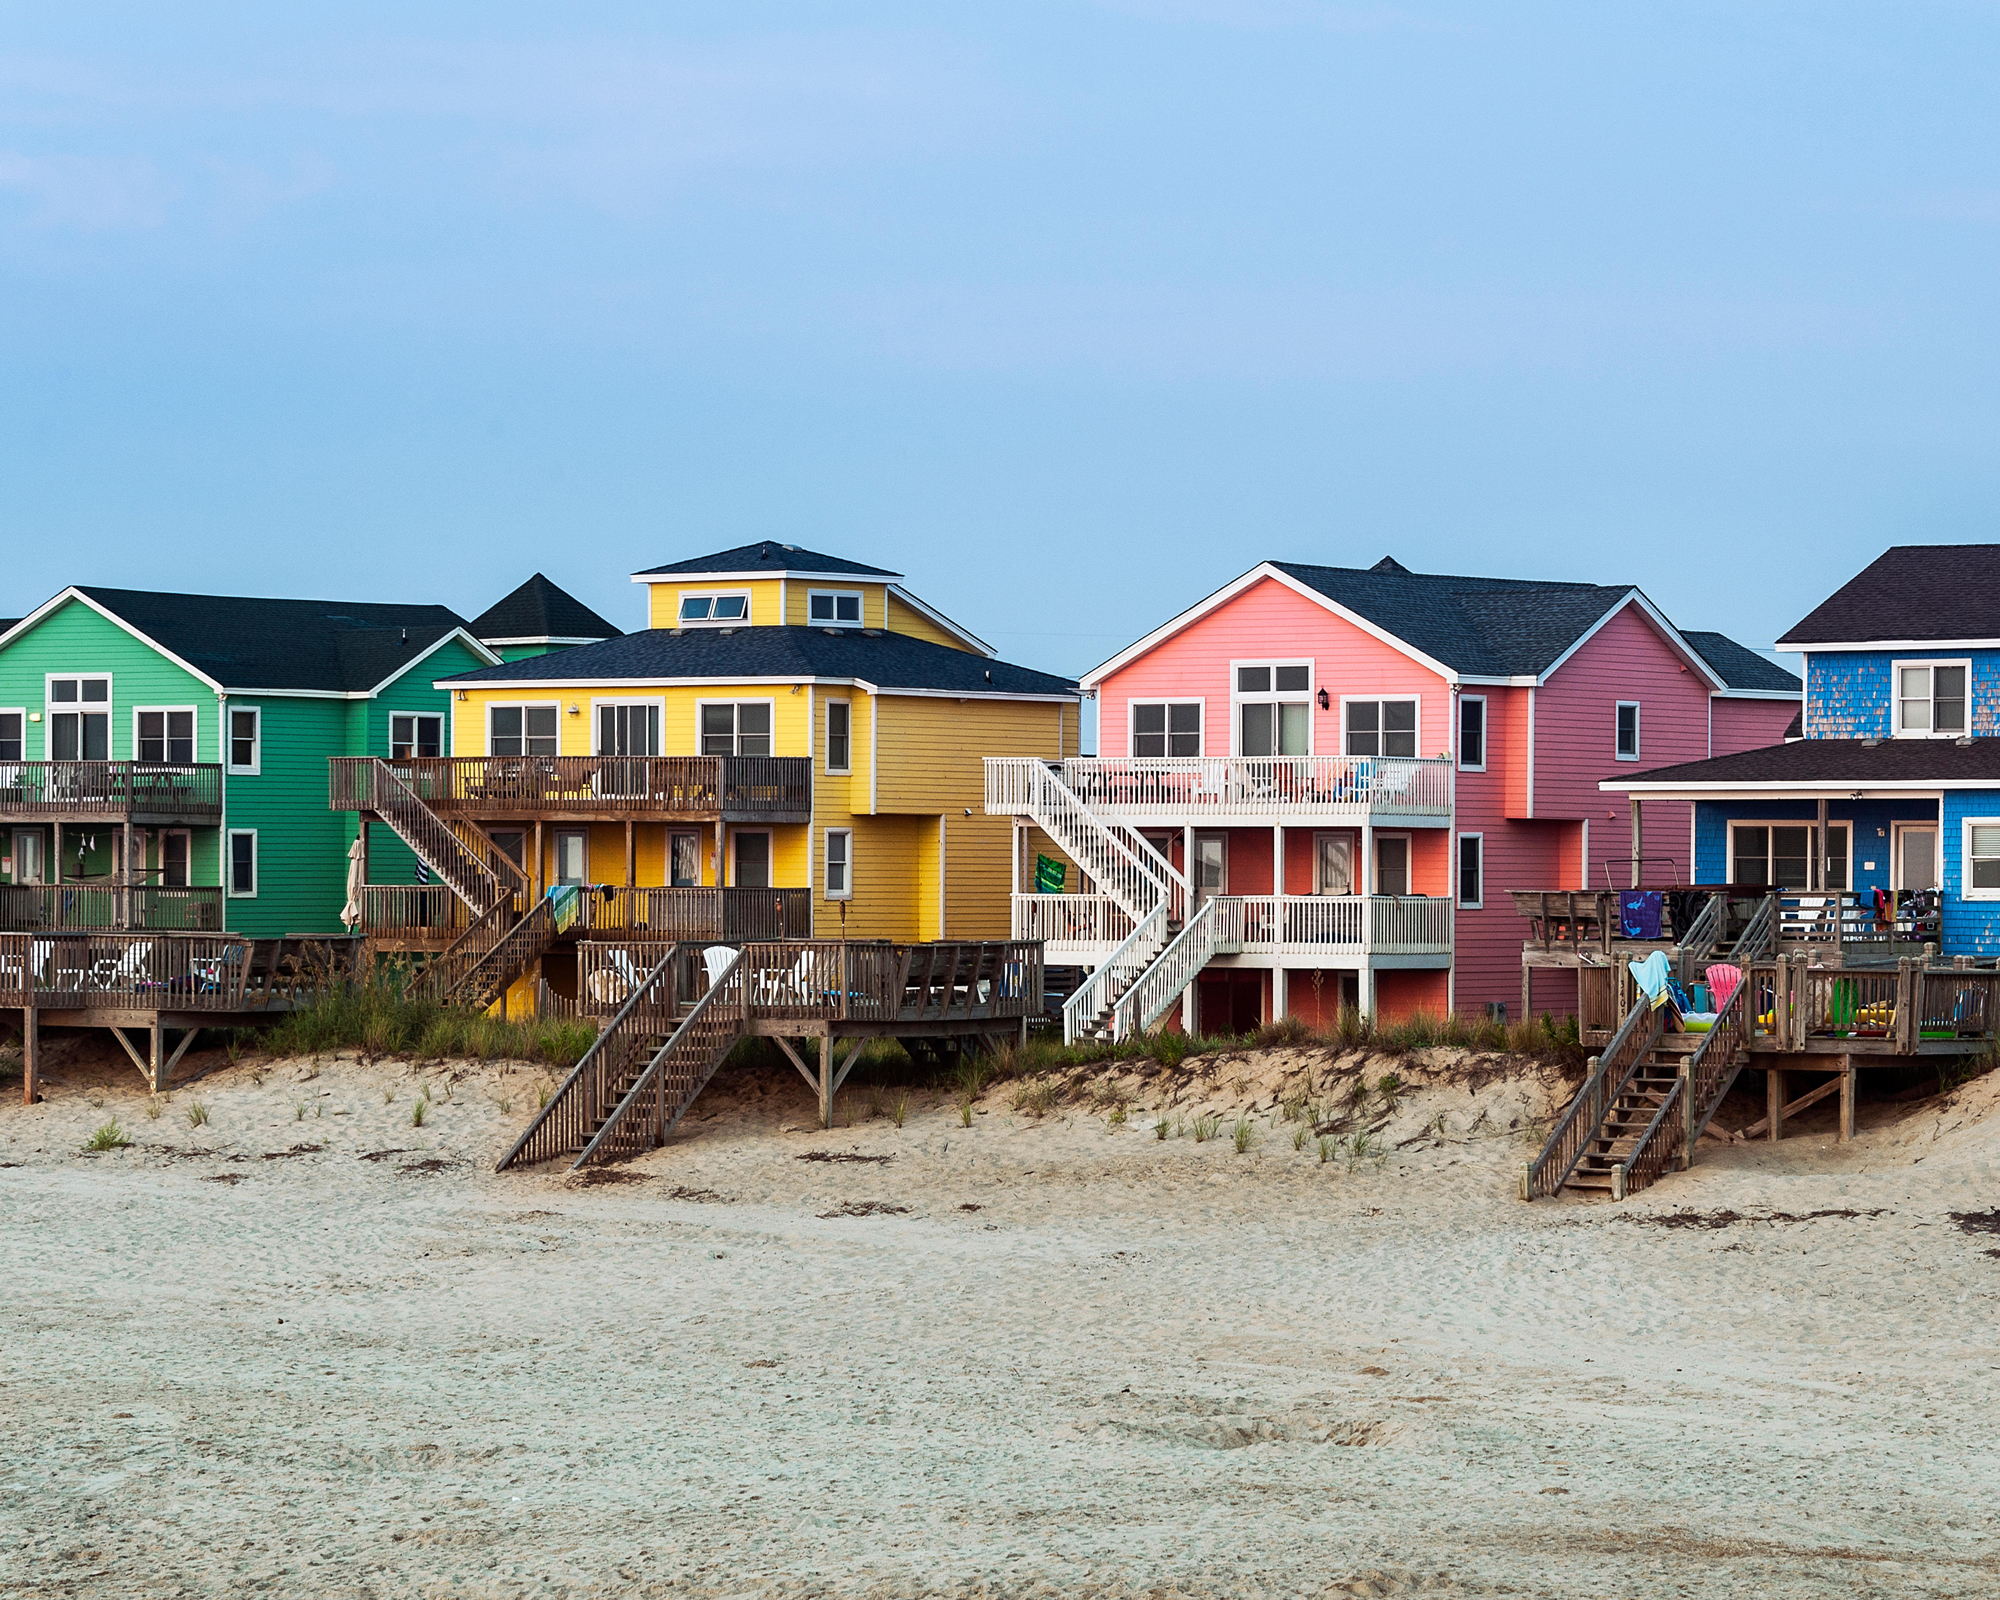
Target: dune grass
(375, 1021)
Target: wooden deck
(775, 789)
(105, 907)
(144, 793)
(429, 917)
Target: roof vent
(871, 633)
(833, 632)
(1870, 744)
(989, 675)
(1392, 565)
(406, 636)
(1963, 741)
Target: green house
(163, 757)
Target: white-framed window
(1385, 727)
(14, 734)
(833, 608)
(735, 727)
(1472, 733)
(241, 864)
(1779, 855)
(684, 860)
(750, 858)
(1392, 863)
(627, 727)
(572, 859)
(163, 735)
(1471, 870)
(1914, 864)
(839, 736)
(1166, 727)
(523, 730)
(1932, 699)
(418, 734)
(1333, 863)
(1981, 853)
(245, 752)
(1273, 707)
(840, 863)
(714, 608)
(79, 725)
(1626, 745)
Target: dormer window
(833, 608)
(712, 610)
(1930, 699)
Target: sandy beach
(306, 1347)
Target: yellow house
(793, 748)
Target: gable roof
(540, 613)
(1741, 667)
(892, 661)
(1473, 629)
(250, 644)
(1911, 593)
(766, 559)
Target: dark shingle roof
(769, 556)
(1912, 591)
(342, 645)
(539, 610)
(1741, 667)
(890, 660)
(1487, 627)
(1839, 761)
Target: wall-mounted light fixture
(572, 708)
(1325, 704)
(463, 697)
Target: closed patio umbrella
(350, 914)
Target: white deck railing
(1222, 788)
(1071, 919)
(1256, 924)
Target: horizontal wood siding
(906, 619)
(1740, 725)
(75, 639)
(301, 844)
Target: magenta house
(1315, 788)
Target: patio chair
(792, 987)
(715, 961)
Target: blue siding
(1971, 928)
(1870, 820)
(1848, 693)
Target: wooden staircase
(1649, 1092)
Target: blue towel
(1639, 913)
(1651, 975)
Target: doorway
(1916, 855)
(572, 857)
(753, 861)
(28, 866)
(1392, 863)
(1211, 868)
(1333, 863)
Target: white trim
(557, 833)
(1931, 664)
(842, 894)
(769, 703)
(1374, 850)
(22, 713)
(1239, 698)
(935, 615)
(1617, 731)
(506, 705)
(1833, 789)
(549, 638)
(827, 736)
(836, 596)
(1458, 899)
(1818, 647)
(747, 620)
(49, 713)
(110, 616)
(1965, 888)
(1757, 694)
(943, 858)
(874, 753)
(1816, 848)
(1200, 705)
(1458, 733)
(194, 713)
(1529, 808)
(444, 731)
(1896, 832)
(602, 681)
(763, 576)
(423, 655)
(256, 766)
(229, 889)
(1379, 700)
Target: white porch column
(1187, 870)
(1280, 994)
(1367, 858)
(1019, 837)
(1188, 1018)
(1364, 991)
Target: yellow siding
(902, 619)
(679, 720)
(664, 599)
(874, 601)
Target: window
(521, 731)
(1982, 858)
(164, 737)
(1780, 856)
(1167, 728)
(1930, 699)
(1628, 730)
(174, 859)
(685, 852)
(839, 739)
(1392, 863)
(1916, 856)
(79, 719)
(1381, 727)
(13, 725)
(1333, 863)
(1471, 870)
(1273, 708)
(628, 730)
(834, 608)
(245, 728)
(839, 876)
(413, 734)
(243, 863)
(572, 863)
(713, 610)
(1471, 733)
(753, 861)
(736, 728)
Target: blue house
(1886, 803)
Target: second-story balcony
(1300, 929)
(143, 792)
(426, 916)
(1175, 791)
(589, 788)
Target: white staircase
(1133, 987)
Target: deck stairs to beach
(645, 1069)
(1133, 987)
(1645, 1102)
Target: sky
(1070, 312)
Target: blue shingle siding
(1870, 821)
(1971, 927)
(1849, 692)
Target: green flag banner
(1051, 875)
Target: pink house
(1315, 788)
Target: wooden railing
(190, 793)
(458, 863)
(1167, 975)
(1579, 1124)
(446, 972)
(596, 1083)
(1795, 1005)
(136, 971)
(1842, 920)
(725, 914)
(527, 786)
(148, 907)
(412, 911)
(610, 973)
(1715, 1062)
(1221, 788)
(1658, 1147)
(477, 977)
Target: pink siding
(1750, 724)
(1267, 622)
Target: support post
(31, 1056)
(157, 1055)
(1822, 856)
(535, 872)
(1846, 1099)
(125, 877)
(1638, 840)
(1364, 991)
(830, 1080)
(1281, 997)
(631, 856)
(1528, 995)
(1774, 1103)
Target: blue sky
(1068, 311)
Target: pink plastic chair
(1723, 981)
